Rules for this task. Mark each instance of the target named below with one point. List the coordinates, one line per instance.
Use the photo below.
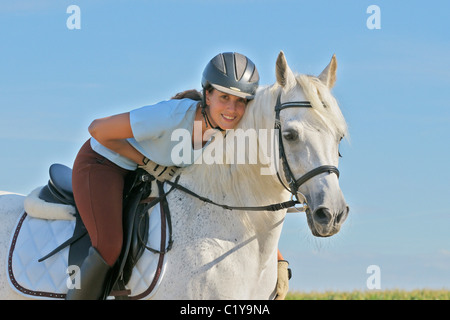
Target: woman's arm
(112, 133)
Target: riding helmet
(232, 73)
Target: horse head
(310, 138)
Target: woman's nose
(232, 105)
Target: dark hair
(189, 94)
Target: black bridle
(294, 184)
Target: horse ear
(328, 75)
(284, 74)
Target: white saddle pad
(33, 238)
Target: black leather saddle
(59, 187)
(135, 219)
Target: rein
(271, 207)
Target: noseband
(294, 184)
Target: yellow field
(421, 294)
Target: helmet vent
(240, 63)
(255, 76)
(219, 62)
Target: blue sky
(392, 86)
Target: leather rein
(294, 184)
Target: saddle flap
(61, 181)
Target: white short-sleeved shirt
(153, 127)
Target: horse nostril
(342, 215)
(322, 215)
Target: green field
(420, 294)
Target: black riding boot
(94, 272)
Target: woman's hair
(191, 94)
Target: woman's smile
(228, 118)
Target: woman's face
(225, 109)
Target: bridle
(294, 184)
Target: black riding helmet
(232, 73)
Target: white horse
(219, 253)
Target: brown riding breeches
(98, 190)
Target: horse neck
(259, 230)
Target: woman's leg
(98, 190)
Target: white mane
(324, 104)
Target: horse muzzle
(325, 222)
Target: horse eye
(290, 135)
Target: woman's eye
(243, 102)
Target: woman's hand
(161, 173)
(283, 280)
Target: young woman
(142, 138)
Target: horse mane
(230, 181)
(324, 104)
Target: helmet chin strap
(205, 114)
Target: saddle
(135, 223)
